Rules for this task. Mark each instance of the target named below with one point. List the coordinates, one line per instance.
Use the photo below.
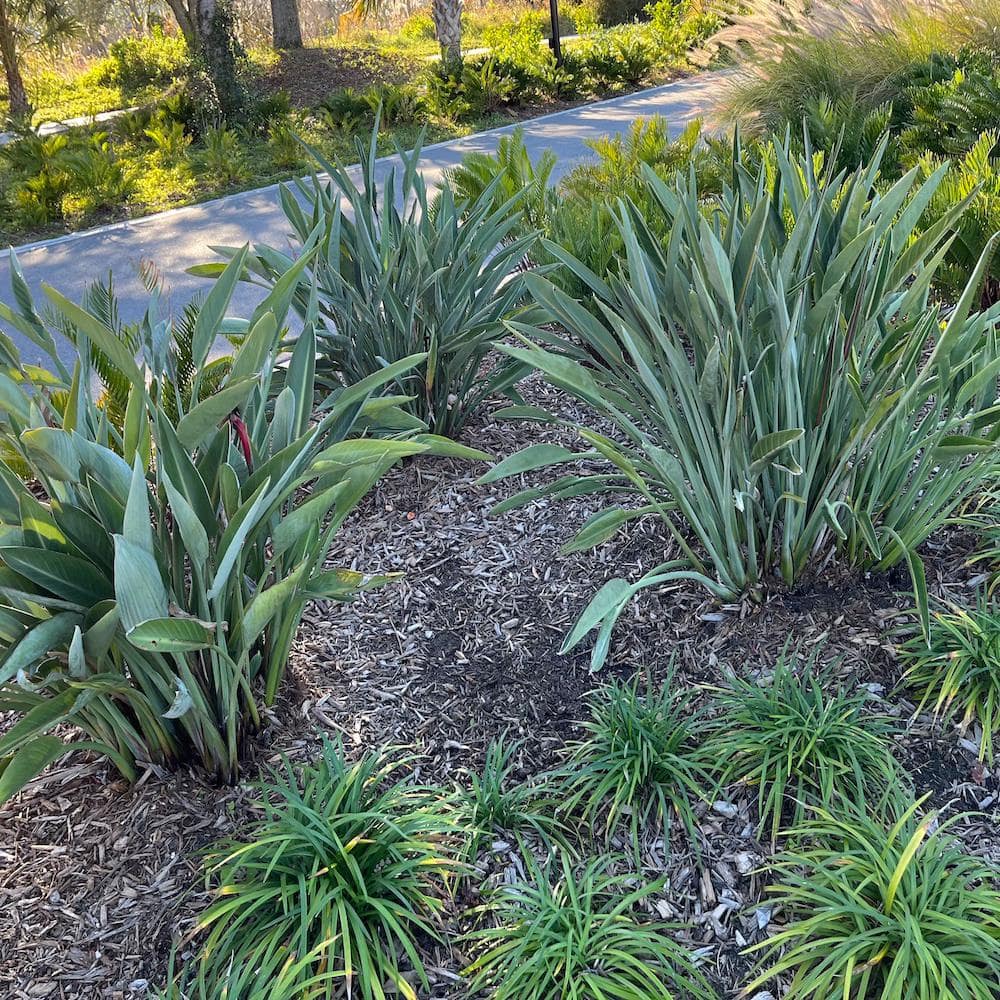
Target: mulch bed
(96, 878)
(310, 75)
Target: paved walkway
(176, 239)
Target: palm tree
(447, 16)
(44, 23)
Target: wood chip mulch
(96, 879)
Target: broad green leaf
(607, 601)
(28, 762)
(65, 576)
(203, 419)
(535, 456)
(139, 588)
(51, 635)
(172, 635)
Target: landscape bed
(465, 650)
(548, 593)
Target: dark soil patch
(309, 75)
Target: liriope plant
(152, 575)
(780, 385)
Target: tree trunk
(287, 31)
(220, 53)
(18, 96)
(448, 27)
(186, 22)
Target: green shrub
(493, 803)
(396, 104)
(345, 110)
(96, 179)
(418, 27)
(40, 179)
(284, 147)
(395, 278)
(566, 81)
(767, 378)
(886, 913)
(618, 170)
(679, 25)
(332, 889)
(610, 12)
(581, 220)
(973, 179)
(563, 933)
(154, 575)
(802, 739)
(956, 671)
(643, 760)
(170, 140)
(139, 62)
(519, 41)
(619, 58)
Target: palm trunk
(287, 31)
(448, 27)
(18, 96)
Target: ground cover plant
(767, 413)
(575, 934)
(802, 741)
(492, 803)
(887, 910)
(643, 763)
(955, 671)
(331, 888)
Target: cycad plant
(801, 739)
(522, 181)
(780, 385)
(393, 276)
(566, 935)
(152, 575)
(331, 893)
(879, 911)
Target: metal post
(555, 42)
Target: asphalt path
(177, 239)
